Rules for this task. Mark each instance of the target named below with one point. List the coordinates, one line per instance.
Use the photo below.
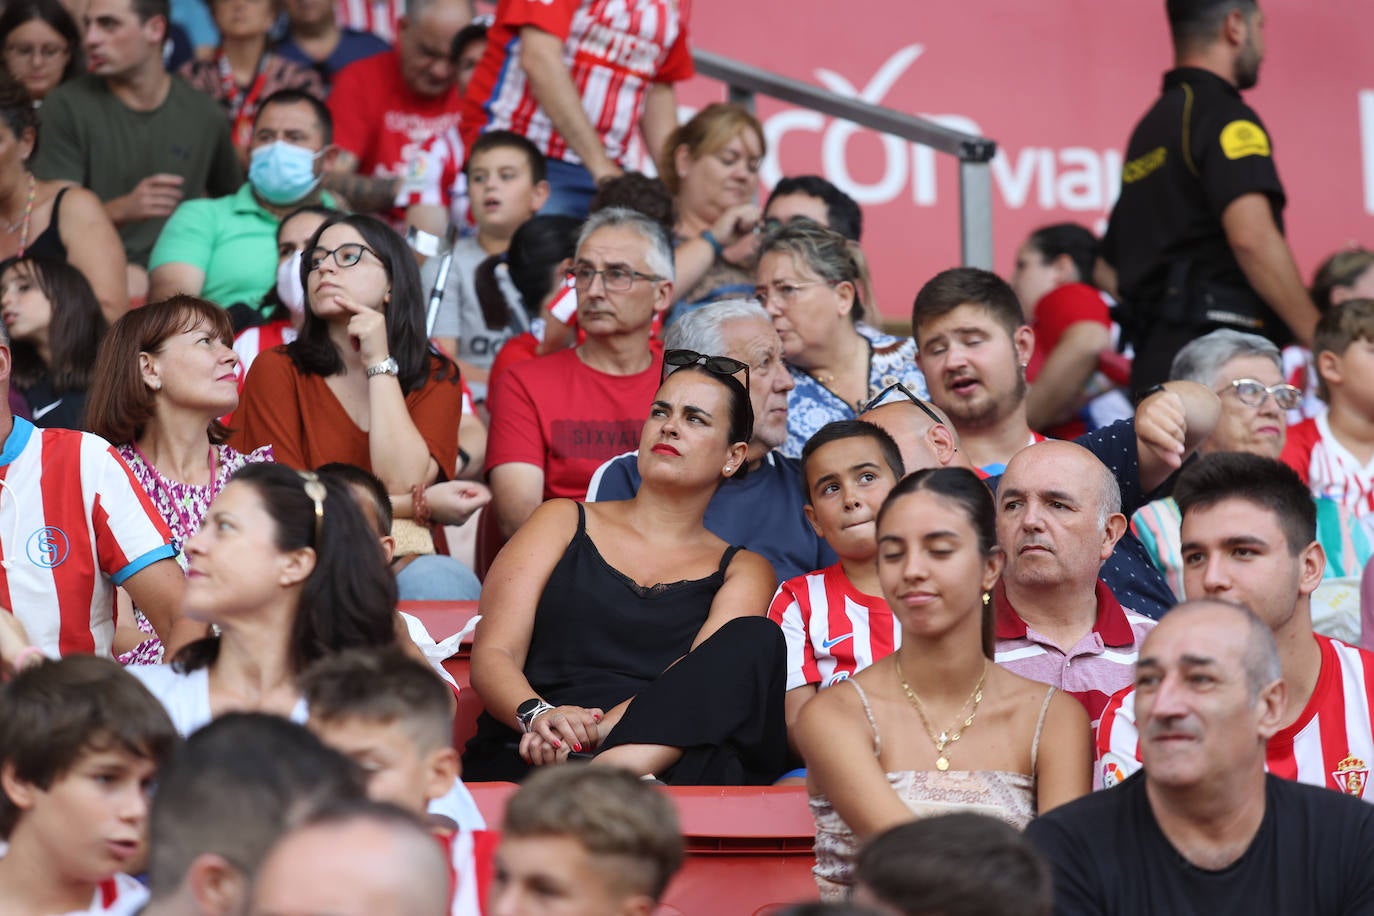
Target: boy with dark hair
(960, 864)
(835, 620)
(394, 717)
(81, 742)
(506, 186)
(235, 786)
(1334, 452)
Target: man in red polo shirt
(1058, 519)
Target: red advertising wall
(1059, 85)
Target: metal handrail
(744, 82)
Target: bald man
(1203, 828)
(1141, 453)
(360, 859)
(1058, 519)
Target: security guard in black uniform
(1196, 239)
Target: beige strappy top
(1004, 795)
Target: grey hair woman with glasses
(810, 282)
(1244, 370)
(626, 631)
(362, 385)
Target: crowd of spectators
(312, 310)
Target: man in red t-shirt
(618, 60)
(396, 116)
(556, 418)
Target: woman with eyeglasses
(164, 374)
(1245, 372)
(362, 385)
(627, 632)
(809, 281)
(936, 726)
(57, 220)
(40, 44)
(287, 570)
(711, 167)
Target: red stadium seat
(749, 848)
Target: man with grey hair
(1245, 372)
(1203, 828)
(1058, 519)
(556, 418)
(760, 509)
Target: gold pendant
(942, 763)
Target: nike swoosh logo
(832, 643)
(42, 412)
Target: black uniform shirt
(1195, 151)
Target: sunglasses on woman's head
(718, 365)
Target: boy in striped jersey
(835, 619)
(1249, 536)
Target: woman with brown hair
(55, 326)
(711, 167)
(936, 726)
(164, 376)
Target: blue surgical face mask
(283, 173)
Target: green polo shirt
(233, 239)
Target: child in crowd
(394, 717)
(836, 620)
(1334, 452)
(505, 179)
(81, 742)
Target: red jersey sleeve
(552, 16)
(678, 66)
(351, 109)
(1063, 307)
(1297, 450)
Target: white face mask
(289, 288)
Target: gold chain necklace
(945, 738)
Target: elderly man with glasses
(1245, 372)
(556, 418)
(761, 509)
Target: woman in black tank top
(626, 630)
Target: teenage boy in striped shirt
(1249, 536)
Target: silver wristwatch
(388, 366)
(530, 710)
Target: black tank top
(599, 636)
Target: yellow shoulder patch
(1244, 138)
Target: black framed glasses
(614, 279)
(314, 488)
(346, 255)
(906, 393)
(719, 365)
(1253, 392)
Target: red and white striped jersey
(1327, 467)
(380, 17)
(1331, 744)
(120, 895)
(74, 523)
(614, 50)
(471, 860)
(259, 339)
(833, 630)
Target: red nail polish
(578, 748)
(557, 743)
(595, 717)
